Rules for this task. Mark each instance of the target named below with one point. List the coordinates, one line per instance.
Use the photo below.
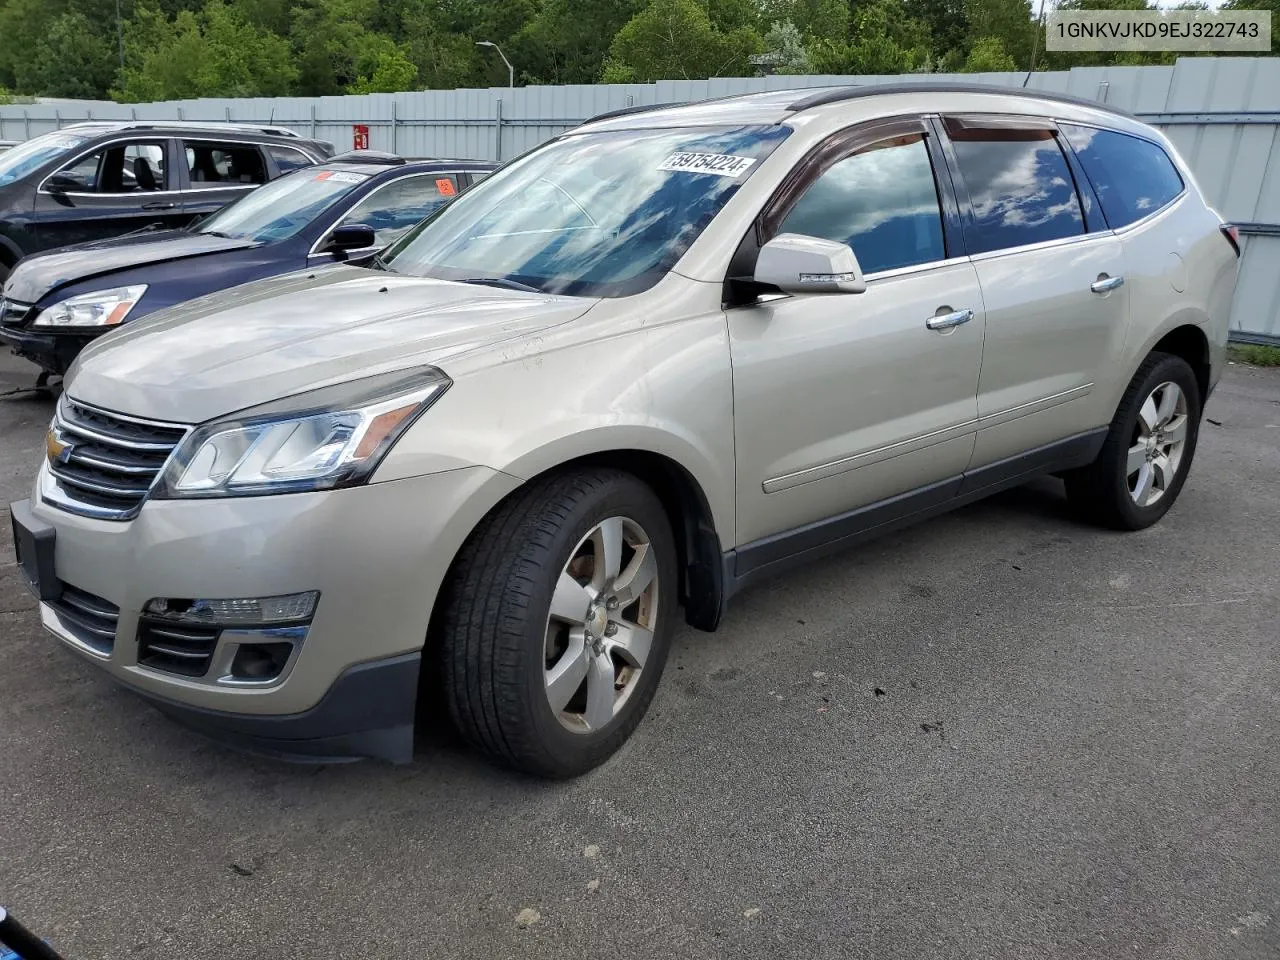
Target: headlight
(102, 308)
(333, 437)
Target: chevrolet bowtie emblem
(57, 450)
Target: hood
(38, 275)
(275, 338)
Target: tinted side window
(1020, 188)
(1132, 177)
(882, 201)
(395, 208)
(121, 168)
(288, 159)
(213, 166)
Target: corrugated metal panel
(1222, 113)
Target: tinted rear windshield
(593, 214)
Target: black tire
(492, 630)
(1100, 492)
(5, 270)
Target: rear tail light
(1232, 233)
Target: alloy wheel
(601, 623)
(1160, 438)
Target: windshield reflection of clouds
(278, 210)
(18, 161)
(591, 214)
(1021, 191)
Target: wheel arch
(10, 253)
(684, 497)
(698, 545)
(1189, 342)
(1182, 335)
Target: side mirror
(62, 183)
(352, 236)
(798, 264)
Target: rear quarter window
(1131, 176)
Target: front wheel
(1148, 451)
(556, 621)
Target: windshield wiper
(503, 282)
(141, 230)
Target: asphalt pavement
(997, 735)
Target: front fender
(663, 388)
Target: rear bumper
(48, 351)
(368, 712)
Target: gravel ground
(1000, 734)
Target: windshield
(596, 214)
(283, 207)
(35, 153)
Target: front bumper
(368, 712)
(377, 554)
(52, 352)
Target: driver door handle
(1106, 284)
(158, 205)
(949, 320)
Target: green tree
(1008, 21)
(815, 19)
(211, 54)
(71, 60)
(383, 68)
(327, 37)
(987, 56)
(948, 26)
(675, 40)
(567, 41)
(444, 59)
(784, 43)
(883, 40)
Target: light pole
(511, 71)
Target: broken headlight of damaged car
(320, 440)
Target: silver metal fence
(1222, 113)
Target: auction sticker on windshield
(339, 177)
(721, 164)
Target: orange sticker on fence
(446, 187)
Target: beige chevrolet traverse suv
(664, 355)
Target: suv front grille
(90, 619)
(108, 462)
(181, 649)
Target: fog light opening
(260, 662)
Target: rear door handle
(158, 205)
(948, 320)
(1106, 284)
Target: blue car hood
(42, 273)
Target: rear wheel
(1148, 451)
(556, 621)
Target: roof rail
(638, 108)
(841, 94)
(188, 125)
(369, 156)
